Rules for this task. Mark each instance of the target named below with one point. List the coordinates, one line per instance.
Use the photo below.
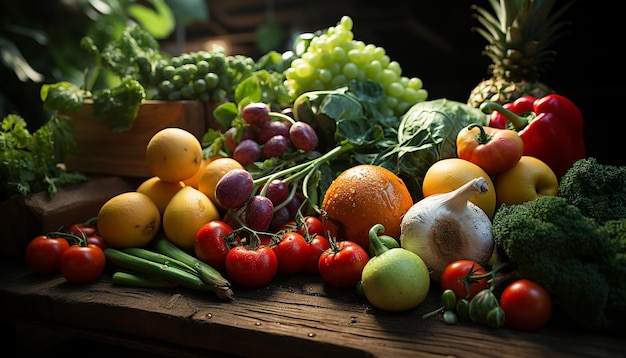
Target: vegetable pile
(291, 124)
(573, 241)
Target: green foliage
(29, 162)
(598, 190)
(579, 261)
(427, 133)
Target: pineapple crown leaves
(519, 35)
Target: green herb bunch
(29, 162)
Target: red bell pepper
(551, 128)
(493, 149)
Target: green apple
(395, 279)
(528, 180)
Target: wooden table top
(296, 315)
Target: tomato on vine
(454, 277)
(82, 264)
(210, 243)
(311, 225)
(251, 266)
(342, 264)
(43, 253)
(317, 245)
(292, 252)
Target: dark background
(431, 39)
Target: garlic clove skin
(443, 228)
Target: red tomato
(79, 229)
(82, 264)
(313, 225)
(251, 267)
(292, 252)
(210, 245)
(527, 306)
(97, 240)
(317, 246)
(456, 270)
(342, 264)
(43, 254)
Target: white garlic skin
(443, 228)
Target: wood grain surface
(298, 316)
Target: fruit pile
(265, 197)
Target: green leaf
(118, 107)
(225, 113)
(188, 11)
(62, 96)
(159, 22)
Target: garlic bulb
(446, 227)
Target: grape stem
(305, 170)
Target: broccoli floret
(598, 190)
(579, 261)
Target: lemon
(173, 154)
(194, 180)
(213, 172)
(159, 191)
(449, 174)
(185, 214)
(129, 219)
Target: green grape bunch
(333, 58)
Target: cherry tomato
(312, 225)
(43, 254)
(527, 305)
(82, 264)
(251, 267)
(79, 229)
(317, 246)
(456, 270)
(342, 264)
(210, 245)
(97, 240)
(292, 252)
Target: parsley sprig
(31, 162)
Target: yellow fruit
(529, 179)
(194, 180)
(449, 174)
(159, 191)
(173, 154)
(361, 197)
(213, 172)
(129, 219)
(185, 214)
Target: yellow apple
(528, 180)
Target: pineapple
(519, 38)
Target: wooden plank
(294, 315)
(23, 218)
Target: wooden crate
(101, 150)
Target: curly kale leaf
(118, 107)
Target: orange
(361, 197)
(449, 174)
